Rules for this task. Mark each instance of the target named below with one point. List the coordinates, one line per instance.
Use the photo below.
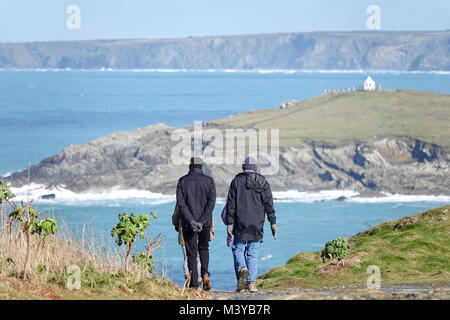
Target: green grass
(356, 115)
(412, 250)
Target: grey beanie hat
(250, 164)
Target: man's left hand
(274, 230)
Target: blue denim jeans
(245, 254)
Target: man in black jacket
(249, 199)
(196, 197)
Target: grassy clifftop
(412, 250)
(357, 115)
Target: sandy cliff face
(141, 159)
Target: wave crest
(117, 194)
(63, 195)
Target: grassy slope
(414, 249)
(100, 287)
(355, 115)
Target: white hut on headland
(369, 84)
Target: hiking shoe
(243, 274)
(252, 287)
(206, 283)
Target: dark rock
(326, 176)
(48, 196)
(358, 158)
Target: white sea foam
(36, 191)
(260, 71)
(352, 196)
(221, 201)
(402, 198)
(115, 195)
(267, 257)
(308, 197)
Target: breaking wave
(402, 198)
(352, 196)
(60, 194)
(304, 196)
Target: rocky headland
(370, 165)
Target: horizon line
(229, 35)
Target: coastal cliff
(395, 51)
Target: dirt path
(390, 292)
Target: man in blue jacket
(249, 199)
(196, 197)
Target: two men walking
(249, 199)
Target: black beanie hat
(195, 162)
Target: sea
(43, 111)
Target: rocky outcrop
(141, 159)
(403, 51)
(288, 104)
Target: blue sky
(43, 20)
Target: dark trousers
(197, 243)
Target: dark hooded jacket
(249, 199)
(196, 197)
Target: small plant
(5, 196)
(145, 259)
(127, 229)
(140, 260)
(26, 216)
(5, 193)
(44, 228)
(41, 268)
(335, 249)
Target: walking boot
(252, 287)
(206, 283)
(243, 274)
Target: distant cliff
(405, 51)
(354, 158)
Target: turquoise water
(302, 227)
(42, 112)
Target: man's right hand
(230, 230)
(196, 226)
